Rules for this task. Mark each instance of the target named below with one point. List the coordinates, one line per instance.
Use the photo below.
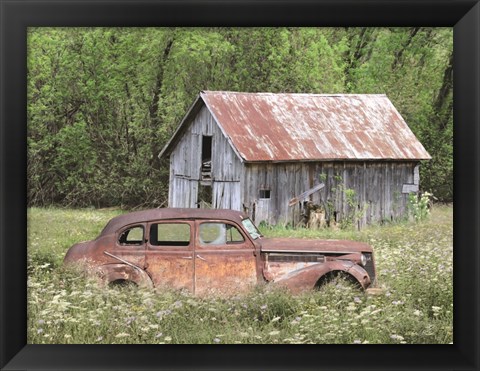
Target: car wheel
(337, 279)
(122, 284)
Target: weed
(341, 194)
(419, 206)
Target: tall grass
(414, 263)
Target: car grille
(370, 267)
(307, 258)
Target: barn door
(263, 207)
(204, 195)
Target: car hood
(312, 245)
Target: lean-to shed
(275, 156)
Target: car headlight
(363, 260)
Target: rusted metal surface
(310, 245)
(205, 264)
(309, 127)
(308, 277)
(224, 271)
(169, 214)
(125, 273)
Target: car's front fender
(308, 277)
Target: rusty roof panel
(307, 127)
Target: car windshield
(251, 229)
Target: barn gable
(203, 162)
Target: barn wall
(183, 193)
(185, 165)
(381, 186)
(378, 187)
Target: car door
(225, 260)
(130, 245)
(169, 254)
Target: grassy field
(414, 263)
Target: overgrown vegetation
(419, 205)
(102, 102)
(415, 269)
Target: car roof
(170, 213)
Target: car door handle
(186, 257)
(199, 257)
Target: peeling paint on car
(202, 266)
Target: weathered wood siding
(377, 185)
(185, 165)
(380, 187)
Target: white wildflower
(396, 337)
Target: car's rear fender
(308, 277)
(110, 273)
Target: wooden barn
(279, 156)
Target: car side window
(132, 236)
(170, 234)
(219, 234)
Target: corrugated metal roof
(308, 127)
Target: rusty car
(205, 251)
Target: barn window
(264, 194)
(206, 158)
(206, 147)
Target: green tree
(102, 102)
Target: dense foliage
(414, 267)
(102, 102)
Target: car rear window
(132, 236)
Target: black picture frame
(16, 16)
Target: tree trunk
(155, 119)
(398, 62)
(442, 104)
